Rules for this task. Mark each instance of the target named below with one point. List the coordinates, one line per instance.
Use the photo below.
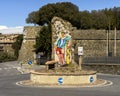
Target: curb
(27, 69)
(23, 71)
(20, 83)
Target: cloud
(3, 27)
(11, 30)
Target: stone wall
(26, 52)
(8, 48)
(6, 41)
(95, 42)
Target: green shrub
(6, 57)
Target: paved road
(9, 76)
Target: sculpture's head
(62, 34)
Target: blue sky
(14, 12)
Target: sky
(14, 12)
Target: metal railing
(102, 60)
(99, 60)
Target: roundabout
(66, 80)
(9, 87)
(65, 70)
(84, 77)
(99, 83)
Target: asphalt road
(9, 75)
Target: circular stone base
(98, 83)
(83, 77)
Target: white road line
(14, 67)
(7, 68)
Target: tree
(85, 20)
(43, 40)
(110, 18)
(44, 15)
(33, 17)
(116, 13)
(99, 19)
(17, 45)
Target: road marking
(19, 69)
(8, 68)
(14, 67)
(5, 68)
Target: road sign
(91, 79)
(80, 50)
(39, 56)
(30, 62)
(60, 80)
